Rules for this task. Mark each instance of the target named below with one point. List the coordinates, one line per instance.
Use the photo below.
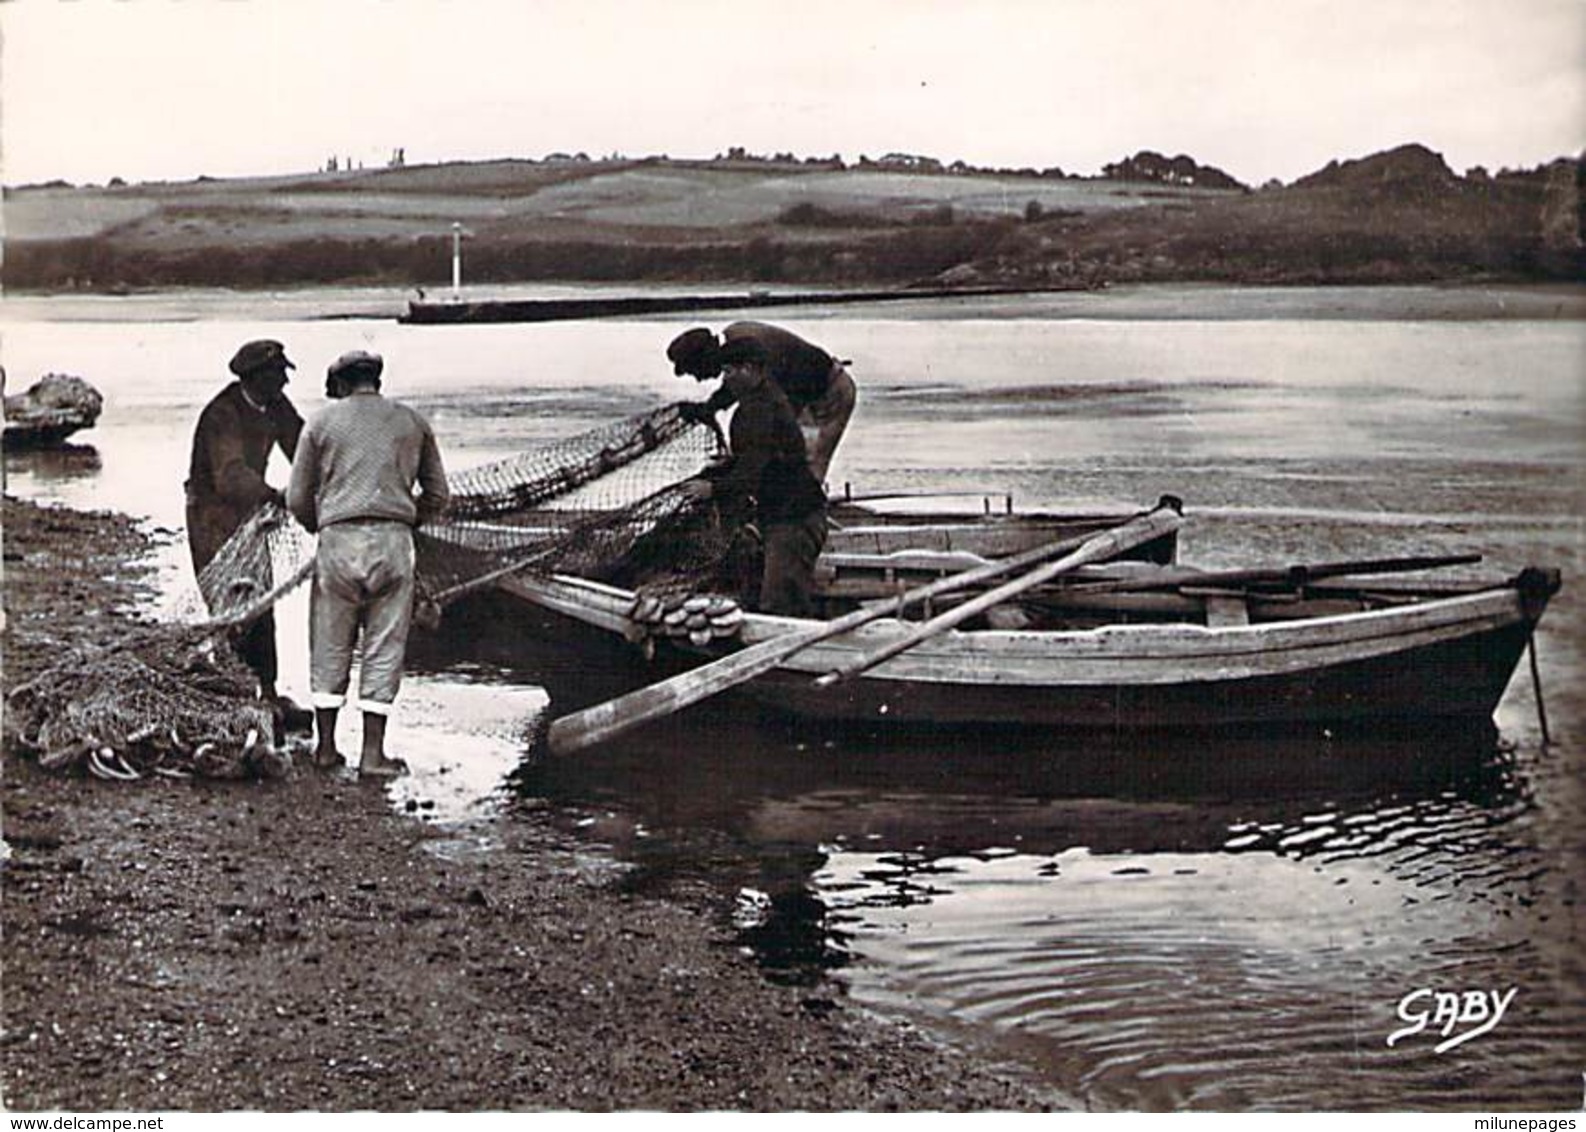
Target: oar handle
(1296, 575)
(974, 577)
(1105, 545)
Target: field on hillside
(1400, 216)
(518, 198)
(71, 214)
(692, 199)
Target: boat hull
(1460, 679)
(1446, 659)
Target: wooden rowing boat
(1114, 647)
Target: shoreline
(300, 945)
(1452, 301)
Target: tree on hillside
(1148, 165)
(913, 162)
(1562, 208)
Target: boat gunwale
(1209, 653)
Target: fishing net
(170, 700)
(606, 504)
(577, 506)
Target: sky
(1262, 89)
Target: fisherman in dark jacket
(236, 433)
(770, 466)
(817, 386)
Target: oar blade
(605, 721)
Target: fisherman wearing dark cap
(770, 468)
(352, 482)
(817, 386)
(232, 443)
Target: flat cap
(261, 353)
(691, 350)
(356, 364)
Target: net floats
(681, 614)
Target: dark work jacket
(769, 462)
(225, 475)
(802, 370)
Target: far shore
(1131, 302)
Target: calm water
(1156, 924)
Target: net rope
(174, 698)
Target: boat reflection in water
(790, 798)
(1160, 920)
(1128, 913)
(745, 776)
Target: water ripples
(1259, 970)
(1153, 925)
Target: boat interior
(1126, 592)
(872, 557)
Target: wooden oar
(580, 729)
(1299, 575)
(1107, 544)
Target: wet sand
(298, 944)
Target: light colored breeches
(363, 583)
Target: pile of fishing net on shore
(175, 699)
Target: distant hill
(1399, 215)
(1409, 167)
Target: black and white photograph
(842, 556)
